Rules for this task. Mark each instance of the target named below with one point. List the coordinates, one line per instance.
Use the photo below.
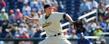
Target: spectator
(93, 4)
(36, 31)
(82, 40)
(41, 9)
(1, 35)
(2, 4)
(15, 27)
(11, 4)
(83, 7)
(50, 2)
(3, 16)
(36, 27)
(37, 5)
(4, 26)
(98, 31)
(11, 17)
(26, 10)
(88, 5)
(103, 25)
(103, 41)
(23, 28)
(20, 4)
(11, 31)
(93, 25)
(107, 25)
(73, 32)
(25, 35)
(1, 32)
(106, 1)
(26, 1)
(106, 14)
(87, 26)
(101, 11)
(34, 15)
(79, 27)
(19, 15)
(1, 19)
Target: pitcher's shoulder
(58, 13)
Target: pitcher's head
(48, 8)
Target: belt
(55, 35)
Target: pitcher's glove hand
(72, 23)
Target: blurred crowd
(18, 19)
(95, 27)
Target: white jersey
(54, 21)
(53, 28)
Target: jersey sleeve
(60, 16)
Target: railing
(32, 40)
(90, 13)
(36, 41)
(16, 41)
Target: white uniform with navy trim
(53, 28)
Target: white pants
(55, 40)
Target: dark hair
(46, 6)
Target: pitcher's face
(49, 9)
